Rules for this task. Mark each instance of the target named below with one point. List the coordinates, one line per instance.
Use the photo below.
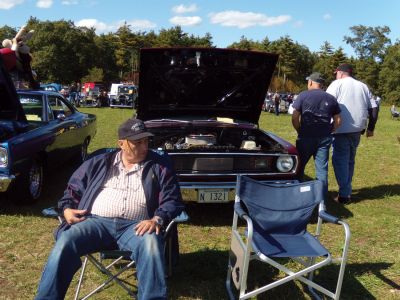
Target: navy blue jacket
(160, 185)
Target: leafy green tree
(94, 75)
(324, 60)
(176, 37)
(367, 70)
(294, 64)
(246, 44)
(369, 42)
(61, 52)
(7, 32)
(105, 57)
(389, 76)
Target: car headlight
(284, 163)
(3, 157)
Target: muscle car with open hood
(203, 107)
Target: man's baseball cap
(344, 68)
(133, 129)
(316, 77)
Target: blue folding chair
(276, 217)
(107, 261)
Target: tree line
(65, 53)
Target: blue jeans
(343, 160)
(98, 233)
(277, 109)
(317, 147)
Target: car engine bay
(223, 139)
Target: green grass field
(373, 270)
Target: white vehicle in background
(112, 95)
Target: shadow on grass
(210, 214)
(202, 274)
(375, 193)
(55, 181)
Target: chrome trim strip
(230, 153)
(221, 185)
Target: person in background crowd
(277, 99)
(313, 111)
(357, 107)
(395, 113)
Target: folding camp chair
(98, 259)
(276, 217)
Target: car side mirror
(61, 117)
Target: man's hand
(147, 226)
(73, 216)
(370, 133)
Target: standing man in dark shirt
(312, 117)
(277, 99)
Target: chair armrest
(50, 212)
(183, 217)
(53, 212)
(328, 218)
(239, 210)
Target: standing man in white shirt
(357, 106)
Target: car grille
(217, 164)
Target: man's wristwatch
(159, 221)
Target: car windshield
(126, 89)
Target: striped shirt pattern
(122, 195)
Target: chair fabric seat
(283, 245)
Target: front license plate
(212, 196)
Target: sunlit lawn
(373, 270)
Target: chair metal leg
(105, 270)
(78, 288)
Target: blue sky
(308, 22)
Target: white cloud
(327, 16)
(69, 2)
(137, 25)
(185, 21)
(298, 24)
(182, 9)
(44, 3)
(241, 20)
(8, 4)
(101, 27)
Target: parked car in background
(126, 97)
(268, 105)
(203, 107)
(39, 130)
(90, 94)
(112, 94)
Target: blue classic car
(38, 129)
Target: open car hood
(10, 107)
(200, 83)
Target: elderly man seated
(115, 200)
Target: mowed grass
(373, 270)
